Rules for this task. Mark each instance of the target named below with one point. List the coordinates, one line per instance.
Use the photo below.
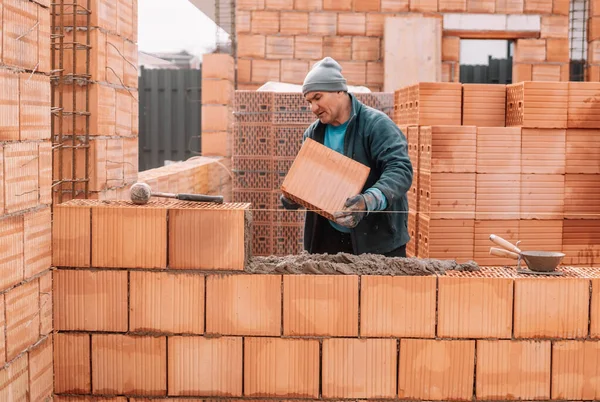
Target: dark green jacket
(374, 140)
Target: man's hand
(355, 209)
(289, 204)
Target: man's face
(325, 105)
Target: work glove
(355, 209)
(289, 204)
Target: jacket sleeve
(389, 149)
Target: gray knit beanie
(326, 76)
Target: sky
(174, 25)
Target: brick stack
(281, 40)
(139, 327)
(196, 175)
(268, 132)
(113, 99)
(531, 179)
(26, 371)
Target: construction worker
(374, 221)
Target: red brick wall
(157, 331)
(26, 370)
(280, 40)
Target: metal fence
(170, 116)
(497, 71)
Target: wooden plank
(414, 44)
(491, 34)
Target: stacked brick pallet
(456, 336)
(26, 371)
(281, 40)
(196, 175)
(268, 132)
(113, 99)
(517, 161)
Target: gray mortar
(348, 264)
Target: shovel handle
(500, 252)
(504, 244)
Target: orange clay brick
(38, 241)
(265, 22)
(316, 165)
(35, 106)
(575, 370)
(337, 5)
(116, 361)
(322, 23)
(41, 371)
(90, 300)
(11, 251)
(22, 318)
(205, 366)
(243, 305)
(475, 305)
(126, 236)
(359, 368)
(401, 306)
(14, 381)
(340, 48)
(2, 331)
(217, 91)
(436, 370)
(21, 186)
(9, 93)
(293, 23)
(72, 373)
(551, 307)
(351, 24)
(154, 297)
(394, 6)
(71, 231)
(509, 370)
(595, 310)
(280, 47)
(278, 367)
(202, 236)
(219, 66)
(320, 305)
(46, 322)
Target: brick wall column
(218, 81)
(25, 217)
(113, 99)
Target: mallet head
(140, 193)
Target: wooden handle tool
(504, 244)
(500, 252)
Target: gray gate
(498, 71)
(170, 113)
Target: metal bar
(74, 116)
(87, 103)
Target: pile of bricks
(268, 132)
(198, 175)
(516, 161)
(113, 97)
(26, 371)
(457, 336)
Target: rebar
(78, 80)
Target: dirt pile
(348, 264)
